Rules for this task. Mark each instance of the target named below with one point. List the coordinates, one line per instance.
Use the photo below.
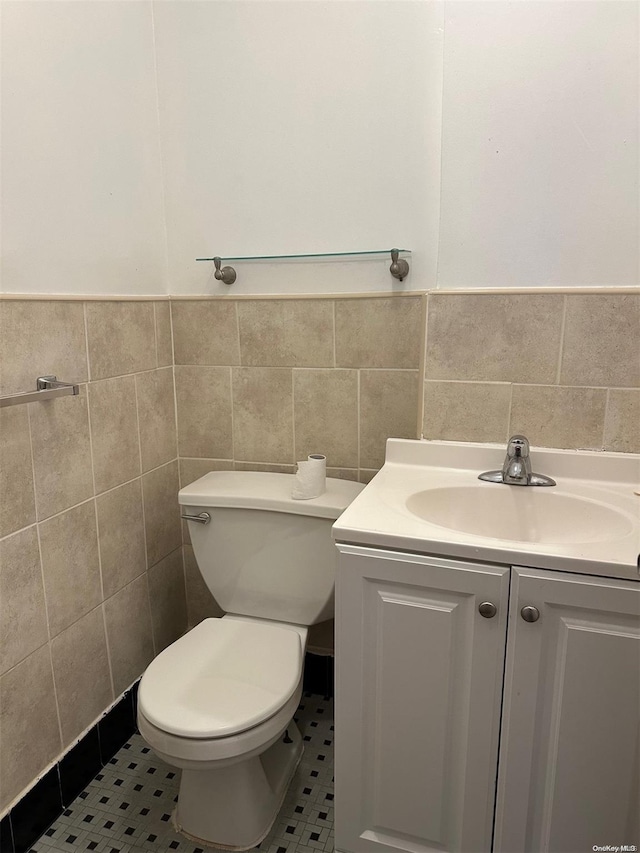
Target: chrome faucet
(516, 468)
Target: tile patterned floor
(127, 808)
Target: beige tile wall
(562, 368)
(264, 382)
(91, 572)
(261, 383)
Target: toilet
(219, 702)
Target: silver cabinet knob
(530, 614)
(487, 609)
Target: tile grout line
(306, 368)
(86, 341)
(44, 585)
(111, 377)
(509, 411)
(175, 392)
(526, 384)
(472, 382)
(245, 462)
(335, 335)
(135, 392)
(93, 481)
(175, 421)
(231, 385)
(358, 421)
(422, 366)
(144, 518)
(155, 332)
(233, 420)
(293, 418)
(563, 324)
(238, 335)
(95, 508)
(605, 419)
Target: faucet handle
(518, 446)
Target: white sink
(519, 514)
(427, 498)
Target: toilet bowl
(219, 702)
(226, 722)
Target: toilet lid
(223, 677)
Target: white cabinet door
(570, 753)
(418, 684)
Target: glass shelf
(329, 255)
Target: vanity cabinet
(458, 731)
(570, 741)
(418, 689)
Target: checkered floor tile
(127, 808)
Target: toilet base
(234, 807)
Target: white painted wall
(81, 176)
(540, 144)
(299, 126)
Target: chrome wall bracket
(399, 266)
(227, 274)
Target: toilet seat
(223, 677)
(211, 753)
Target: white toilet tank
(264, 554)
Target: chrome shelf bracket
(226, 274)
(399, 266)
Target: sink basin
(519, 514)
(427, 499)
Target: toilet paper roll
(310, 478)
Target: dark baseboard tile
(116, 727)
(36, 811)
(79, 766)
(45, 802)
(6, 835)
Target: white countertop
(379, 515)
